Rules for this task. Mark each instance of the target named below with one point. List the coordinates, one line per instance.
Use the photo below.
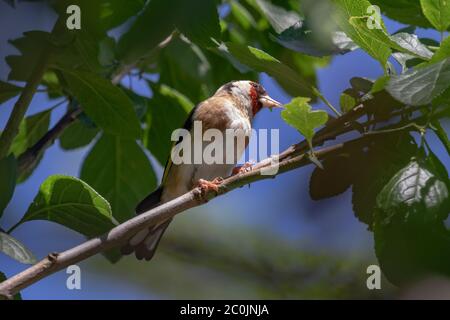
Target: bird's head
(249, 94)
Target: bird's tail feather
(145, 242)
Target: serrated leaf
(107, 105)
(411, 44)
(15, 249)
(352, 19)
(421, 86)
(31, 129)
(416, 188)
(168, 110)
(385, 157)
(335, 178)
(72, 203)
(261, 61)
(298, 114)
(77, 135)
(120, 171)
(437, 12)
(8, 176)
(8, 91)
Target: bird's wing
(188, 126)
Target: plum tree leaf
(299, 115)
(120, 171)
(15, 249)
(72, 203)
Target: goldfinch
(233, 106)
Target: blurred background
(268, 240)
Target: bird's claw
(206, 186)
(247, 167)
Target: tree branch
(120, 234)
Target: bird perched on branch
(233, 106)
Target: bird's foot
(247, 167)
(206, 186)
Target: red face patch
(256, 104)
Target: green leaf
(411, 240)
(8, 91)
(107, 105)
(31, 130)
(119, 170)
(161, 17)
(437, 12)
(298, 114)
(421, 86)
(16, 250)
(416, 188)
(347, 102)
(115, 12)
(72, 203)
(168, 110)
(384, 157)
(335, 177)
(77, 135)
(17, 296)
(407, 12)
(443, 52)
(352, 19)
(380, 84)
(410, 44)
(301, 39)
(261, 61)
(280, 18)
(8, 176)
(442, 135)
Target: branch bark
(120, 234)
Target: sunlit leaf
(15, 249)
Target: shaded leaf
(16, 250)
(168, 110)
(408, 12)
(161, 17)
(279, 18)
(347, 102)
(442, 135)
(120, 171)
(77, 135)
(335, 177)
(8, 91)
(72, 203)
(298, 114)
(8, 176)
(261, 61)
(420, 87)
(31, 129)
(107, 105)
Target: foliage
(399, 186)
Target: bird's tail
(145, 242)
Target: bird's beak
(268, 102)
